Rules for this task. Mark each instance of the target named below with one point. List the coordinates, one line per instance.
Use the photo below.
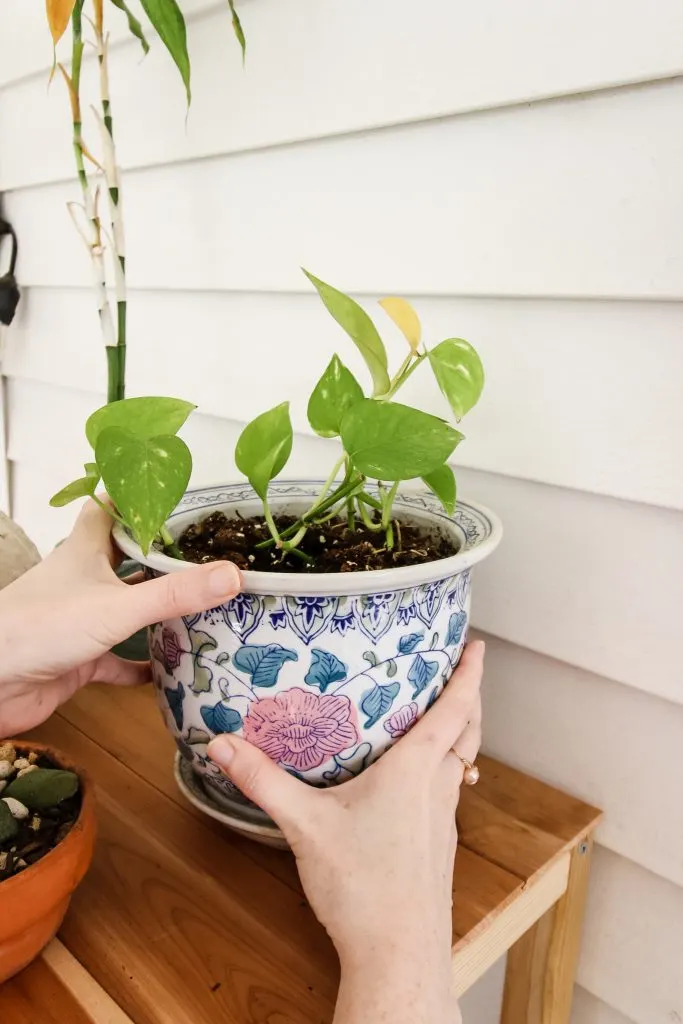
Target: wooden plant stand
(180, 922)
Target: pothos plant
(145, 467)
(99, 230)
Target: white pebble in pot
(16, 808)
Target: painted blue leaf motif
(409, 642)
(326, 668)
(432, 697)
(456, 625)
(421, 674)
(263, 662)
(221, 718)
(175, 698)
(377, 701)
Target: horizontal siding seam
(631, 299)
(636, 85)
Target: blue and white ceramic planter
(323, 672)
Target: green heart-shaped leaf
(146, 417)
(442, 482)
(388, 441)
(459, 373)
(84, 487)
(360, 329)
(144, 477)
(264, 447)
(336, 391)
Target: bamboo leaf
(405, 318)
(168, 20)
(58, 14)
(237, 29)
(73, 96)
(133, 24)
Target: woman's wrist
(399, 981)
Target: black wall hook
(9, 290)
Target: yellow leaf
(58, 14)
(405, 318)
(73, 98)
(99, 15)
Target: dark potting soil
(40, 832)
(331, 545)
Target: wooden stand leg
(541, 966)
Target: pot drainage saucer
(247, 821)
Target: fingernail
(478, 647)
(225, 580)
(221, 750)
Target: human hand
(59, 620)
(376, 854)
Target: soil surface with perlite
(331, 546)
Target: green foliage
(145, 467)
(360, 329)
(335, 393)
(145, 417)
(84, 487)
(144, 476)
(442, 482)
(43, 788)
(459, 374)
(237, 29)
(389, 441)
(264, 446)
(168, 20)
(134, 25)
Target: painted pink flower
(301, 729)
(402, 720)
(169, 651)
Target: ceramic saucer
(247, 821)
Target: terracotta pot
(33, 903)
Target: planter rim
(423, 503)
(26, 877)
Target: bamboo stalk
(90, 200)
(117, 379)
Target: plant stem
(110, 510)
(116, 389)
(268, 516)
(403, 374)
(289, 545)
(387, 504)
(367, 521)
(350, 515)
(170, 546)
(328, 483)
(345, 490)
(90, 198)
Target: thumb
(277, 792)
(169, 597)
